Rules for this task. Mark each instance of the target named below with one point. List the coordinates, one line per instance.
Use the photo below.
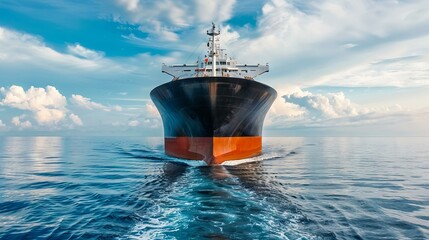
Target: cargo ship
(213, 110)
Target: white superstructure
(216, 64)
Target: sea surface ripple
(299, 188)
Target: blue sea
(299, 188)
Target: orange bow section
(213, 150)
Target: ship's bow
(214, 119)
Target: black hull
(213, 107)
(215, 119)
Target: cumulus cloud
(17, 121)
(46, 104)
(48, 107)
(75, 119)
(282, 112)
(2, 125)
(306, 109)
(328, 106)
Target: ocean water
(299, 188)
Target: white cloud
(2, 125)
(341, 43)
(117, 108)
(151, 111)
(86, 103)
(281, 112)
(161, 31)
(407, 71)
(75, 119)
(318, 42)
(304, 109)
(133, 123)
(17, 47)
(151, 123)
(162, 19)
(149, 119)
(80, 51)
(21, 124)
(47, 116)
(130, 5)
(217, 11)
(46, 104)
(331, 105)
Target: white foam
(240, 161)
(200, 163)
(262, 157)
(192, 163)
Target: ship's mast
(228, 66)
(213, 52)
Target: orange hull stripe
(213, 150)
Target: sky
(341, 68)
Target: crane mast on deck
(213, 51)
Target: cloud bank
(359, 43)
(47, 105)
(300, 108)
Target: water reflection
(45, 153)
(31, 160)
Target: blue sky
(341, 68)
